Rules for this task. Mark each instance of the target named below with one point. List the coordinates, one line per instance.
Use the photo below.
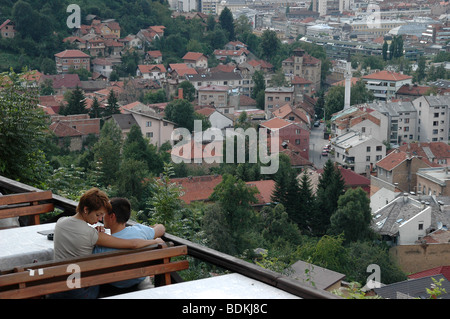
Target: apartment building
(361, 119)
(384, 84)
(276, 97)
(72, 59)
(402, 119)
(231, 79)
(214, 95)
(357, 151)
(433, 118)
(303, 65)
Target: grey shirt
(73, 238)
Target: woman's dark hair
(121, 207)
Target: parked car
(324, 153)
(316, 124)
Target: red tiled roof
(197, 188)
(72, 54)
(147, 68)
(415, 90)
(193, 56)
(275, 123)
(444, 270)
(392, 160)
(206, 111)
(300, 80)
(387, 76)
(265, 189)
(154, 54)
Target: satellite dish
(439, 225)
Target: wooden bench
(40, 279)
(26, 204)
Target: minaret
(348, 82)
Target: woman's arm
(119, 243)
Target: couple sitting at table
(73, 237)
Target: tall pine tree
(331, 186)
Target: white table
(24, 245)
(230, 286)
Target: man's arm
(159, 230)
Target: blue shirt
(136, 231)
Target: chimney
(180, 93)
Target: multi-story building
(402, 120)
(276, 97)
(231, 79)
(196, 60)
(384, 84)
(434, 181)
(303, 65)
(433, 115)
(209, 7)
(362, 119)
(75, 59)
(368, 29)
(357, 151)
(214, 95)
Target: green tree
(331, 186)
(76, 103)
(421, 69)
(181, 112)
(353, 216)
(277, 225)
(112, 107)
(165, 204)
(188, 90)
(23, 131)
(385, 50)
(235, 199)
(269, 45)
(107, 153)
(227, 22)
(95, 111)
(259, 83)
(307, 204)
(334, 101)
(138, 148)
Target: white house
(360, 118)
(384, 84)
(151, 71)
(217, 119)
(357, 151)
(102, 66)
(433, 114)
(403, 221)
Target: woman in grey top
(73, 237)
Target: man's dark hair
(121, 207)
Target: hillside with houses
(358, 119)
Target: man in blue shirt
(116, 221)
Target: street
(316, 144)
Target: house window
(149, 134)
(367, 158)
(297, 131)
(379, 148)
(148, 124)
(368, 148)
(297, 141)
(420, 226)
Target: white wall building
(357, 152)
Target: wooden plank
(98, 279)
(26, 210)
(103, 262)
(25, 197)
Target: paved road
(316, 144)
